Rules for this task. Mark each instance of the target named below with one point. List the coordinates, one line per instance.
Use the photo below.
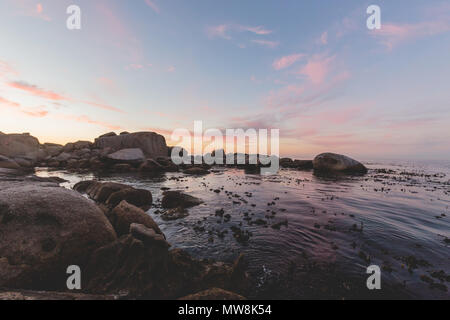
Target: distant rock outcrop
(332, 162)
(152, 144)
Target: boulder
(152, 144)
(148, 235)
(24, 163)
(213, 294)
(175, 199)
(52, 149)
(196, 171)
(112, 193)
(14, 145)
(123, 215)
(133, 155)
(65, 156)
(8, 163)
(151, 166)
(138, 197)
(174, 214)
(44, 229)
(332, 162)
(82, 145)
(109, 134)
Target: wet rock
(174, 199)
(44, 229)
(332, 162)
(214, 294)
(138, 197)
(148, 235)
(174, 214)
(196, 171)
(123, 215)
(279, 224)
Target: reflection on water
(396, 217)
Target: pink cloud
(8, 103)
(32, 112)
(257, 30)
(323, 38)
(266, 43)
(317, 68)
(286, 61)
(218, 31)
(34, 90)
(103, 106)
(152, 5)
(391, 34)
(171, 69)
(86, 119)
(118, 32)
(29, 9)
(223, 30)
(50, 95)
(6, 69)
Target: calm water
(396, 217)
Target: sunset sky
(310, 68)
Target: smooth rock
(123, 215)
(152, 144)
(175, 199)
(332, 162)
(127, 155)
(44, 229)
(8, 163)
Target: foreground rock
(152, 144)
(43, 229)
(332, 162)
(177, 199)
(51, 295)
(125, 214)
(111, 193)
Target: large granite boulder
(132, 155)
(16, 145)
(332, 162)
(123, 215)
(8, 163)
(44, 229)
(152, 144)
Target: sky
(311, 69)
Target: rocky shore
(144, 152)
(103, 227)
(121, 251)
